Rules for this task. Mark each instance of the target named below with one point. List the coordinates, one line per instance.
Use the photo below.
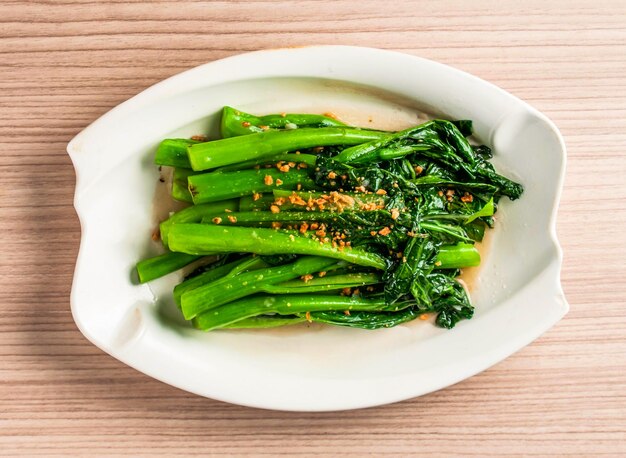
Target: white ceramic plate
(517, 295)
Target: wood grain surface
(65, 63)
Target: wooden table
(64, 63)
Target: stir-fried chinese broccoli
(313, 220)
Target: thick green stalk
(251, 263)
(195, 213)
(457, 256)
(264, 218)
(265, 322)
(285, 305)
(218, 153)
(206, 277)
(173, 152)
(228, 289)
(300, 160)
(327, 283)
(208, 238)
(211, 187)
(166, 263)
(236, 122)
(201, 238)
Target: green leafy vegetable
(316, 221)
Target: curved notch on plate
(130, 327)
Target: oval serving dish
(517, 293)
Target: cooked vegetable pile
(299, 217)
